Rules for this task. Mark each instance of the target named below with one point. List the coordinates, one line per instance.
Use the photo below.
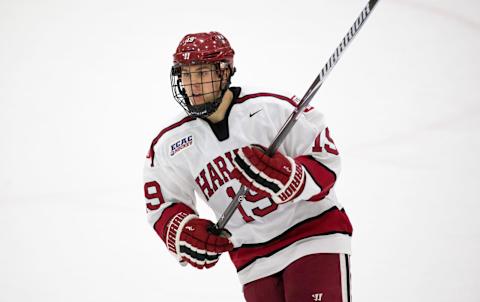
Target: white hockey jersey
(193, 155)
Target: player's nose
(197, 88)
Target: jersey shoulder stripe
(151, 152)
(263, 94)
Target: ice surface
(84, 87)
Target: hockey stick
(292, 119)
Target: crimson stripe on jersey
(167, 214)
(151, 153)
(332, 221)
(256, 95)
(321, 175)
(308, 220)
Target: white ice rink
(84, 87)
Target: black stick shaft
(292, 119)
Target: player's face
(202, 83)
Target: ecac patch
(181, 144)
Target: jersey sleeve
(167, 193)
(311, 144)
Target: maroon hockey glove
(278, 176)
(189, 238)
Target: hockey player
(290, 238)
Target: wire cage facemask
(200, 91)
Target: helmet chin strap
(204, 110)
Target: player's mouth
(198, 98)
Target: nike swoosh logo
(252, 114)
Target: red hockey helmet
(203, 48)
(210, 48)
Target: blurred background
(84, 88)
